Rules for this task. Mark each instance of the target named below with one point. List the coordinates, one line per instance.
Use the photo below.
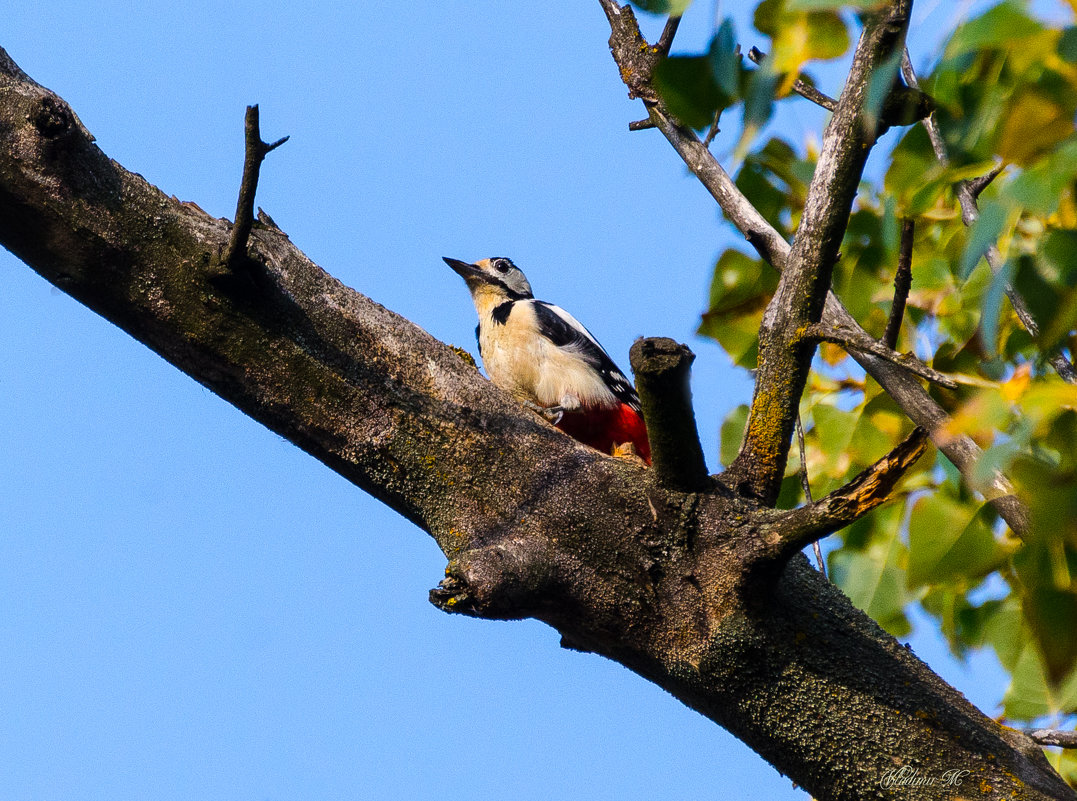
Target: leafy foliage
(1006, 95)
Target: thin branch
(801, 87)
(852, 339)
(255, 151)
(871, 488)
(806, 486)
(902, 284)
(662, 368)
(933, 133)
(641, 125)
(1055, 737)
(714, 129)
(968, 193)
(804, 483)
(665, 40)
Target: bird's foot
(551, 414)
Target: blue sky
(190, 607)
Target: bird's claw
(551, 414)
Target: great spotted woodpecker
(544, 357)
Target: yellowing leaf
(1032, 126)
(981, 417)
(1013, 389)
(832, 354)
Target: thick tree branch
(533, 523)
(784, 353)
(662, 368)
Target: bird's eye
(502, 265)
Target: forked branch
(255, 151)
(784, 354)
(870, 489)
(631, 54)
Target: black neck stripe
(502, 311)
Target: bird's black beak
(469, 272)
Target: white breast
(520, 360)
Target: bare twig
(870, 489)
(662, 368)
(665, 40)
(806, 486)
(1060, 739)
(714, 129)
(968, 192)
(801, 87)
(852, 339)
(902, 284)
(641, 125)
(255, 151)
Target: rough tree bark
(675, 575)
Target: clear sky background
(190, 607)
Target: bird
(547, 360)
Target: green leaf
(1029, 696)
(992, 306)
(1046, 569)
(740, 290)
(1040, 187)
(687, 85)
(1005, 631)
(673, 8)
(1036, 120)
(873, 578)
(733, 433)
(1067, 44)
(950, 541)
(881, 83)
(760, 89)
(725, 60)
(1000, 26)
(985, 233)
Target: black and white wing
(565, 331)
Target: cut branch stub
(662, 369)
(504, 581)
